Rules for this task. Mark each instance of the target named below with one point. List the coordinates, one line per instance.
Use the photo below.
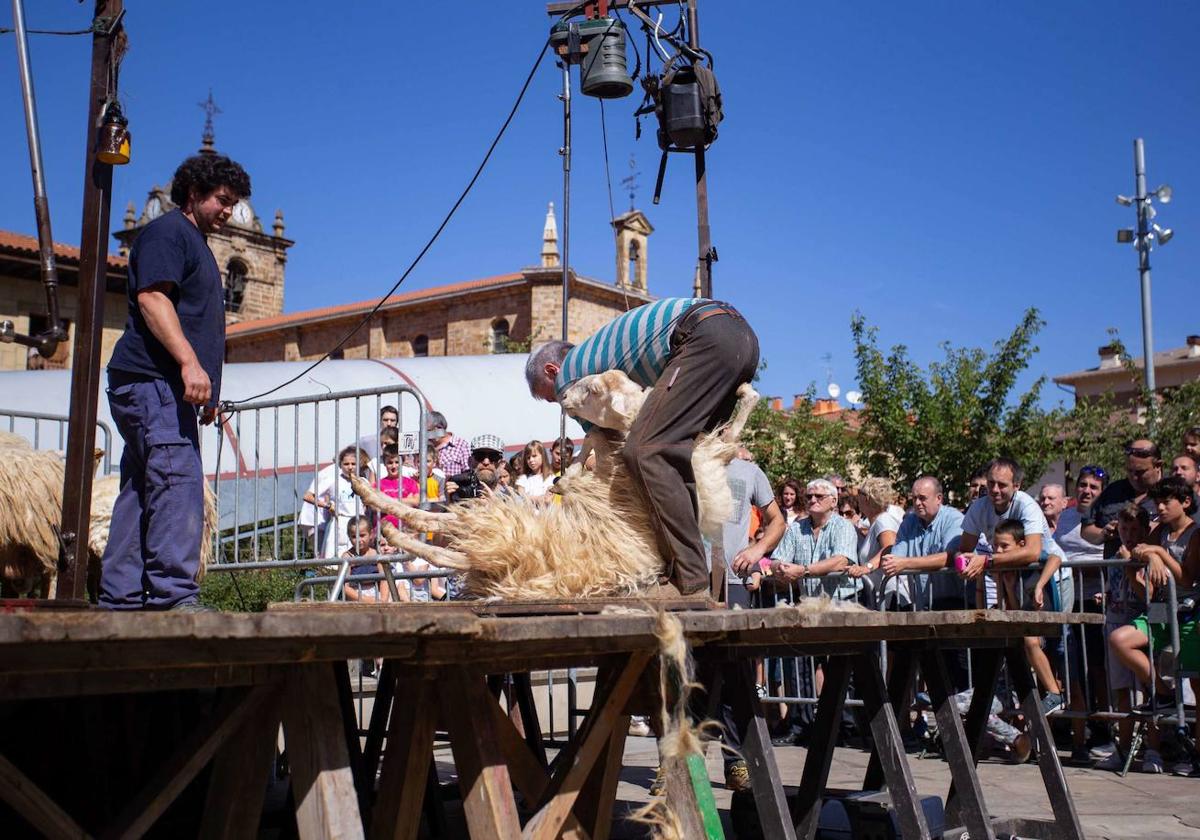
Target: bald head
(927, 498)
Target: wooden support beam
(890, 748)
(32, 803)
(531, 726)
(345, 694)
(766, 785)
(807, 808)
(240, 774)
(986, 671)
(901, 681)
(189, 758)
(594, 808)
(483, 776)
(1061, 804)
(385, 690)
(406, 765)
(592, 739)
(322, 781)
(972, 808)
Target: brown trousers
(710, 358)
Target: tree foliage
(951, 418)
(795, 444)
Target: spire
(206, 140)
(550, 240)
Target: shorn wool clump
(598, 540)
(31, 484)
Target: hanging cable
(4, 30)
(227, 405)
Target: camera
(469, 486)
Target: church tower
(251, 259)
(632, 230)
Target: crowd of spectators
(912, 548)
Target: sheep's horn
(422, 520)
(436, 555)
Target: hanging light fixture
(113, 145)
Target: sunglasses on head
(1099, 472)
(1141, 452)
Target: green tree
(795, 444)
(953, 417)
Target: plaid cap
(491, 442)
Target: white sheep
(597, 540)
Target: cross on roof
(630, 181)
(210, 108)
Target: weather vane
(210, 109)
(630, 181)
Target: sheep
(31, 483)
(597, 541)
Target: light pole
(1142, 238)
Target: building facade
(1123, 377)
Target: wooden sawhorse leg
(900, 683)
(807, 806)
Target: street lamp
(1143, 238)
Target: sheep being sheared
(31, 483)
(598, 541)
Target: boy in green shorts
(1171, 550)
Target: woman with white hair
(876, 502)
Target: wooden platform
(288, 665)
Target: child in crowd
(536, 477)
(1009, 535)
(422, 590)
(331, 492)
(395, 484)
(1170, 551)
(1191, 442)
(361, 536)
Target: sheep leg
(747, 399)
(421, 520)
(436, 555)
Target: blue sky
(939, 166)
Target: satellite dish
(854, 396)
(834, 390)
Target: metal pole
(48, 342)
(1143, 247)
(703, 231)
(93, 263)
(565, 151)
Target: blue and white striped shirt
(638, 343)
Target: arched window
(235, 285)
(499, 337)
(420, 345)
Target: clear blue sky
(940, 166)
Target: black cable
(612, 213)
(4, 30)
(445, 221)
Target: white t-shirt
(888, 520)
(982, 519)
(1075, 547)
(535, 485)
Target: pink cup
(961, 561)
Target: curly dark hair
(203, 174)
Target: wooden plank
(385, 689)
(890, 748)
(901, 681)
(592, 738)
(594, 808)
(1061, 803)
(240, 773)
(689, 796)
(402, 788)
(483, 776)
(322, 781)
(523, 691)
(766, 785)
(986, 670)
(190, 756)
(32, 803)
(972, 809)
(349, 718)
(18, 686)
(806, 809)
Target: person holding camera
(487, 454)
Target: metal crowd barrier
(795, 674)
(31, 430)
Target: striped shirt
(638, 343)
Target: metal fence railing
(32, 426)
(796, 678)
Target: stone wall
(19, 298)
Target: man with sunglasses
(1143, 469)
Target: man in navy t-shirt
(164, 376)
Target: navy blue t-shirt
(172, 250)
